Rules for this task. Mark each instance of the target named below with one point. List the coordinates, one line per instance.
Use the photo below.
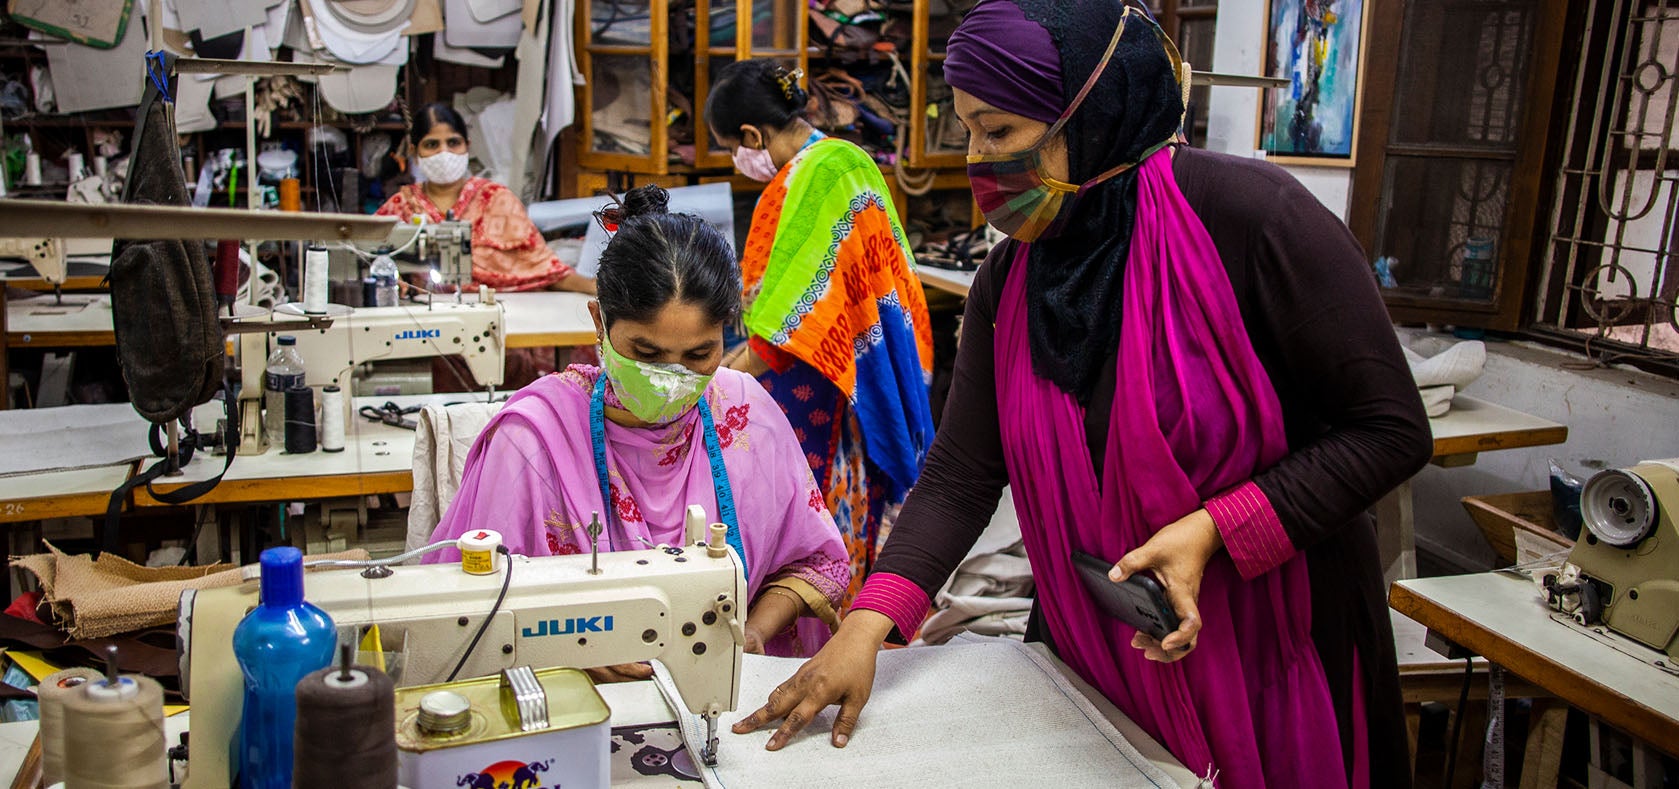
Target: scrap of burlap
(94, 598)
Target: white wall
(1615, 418)
(1232, 124)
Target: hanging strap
(110, 537)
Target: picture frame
(1324, 133)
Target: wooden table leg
(1413, 723)
(1396, 540)
(1543, 758)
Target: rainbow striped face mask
(1018, 198)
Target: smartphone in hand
(1139, 601)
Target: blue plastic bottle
(277, 644)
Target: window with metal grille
(1451, 152)
(1610, 274)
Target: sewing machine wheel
(1618, 507)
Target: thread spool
(77, 167)
(227, 269)
(101, 165)
(32, 169)
(113, 735)
(51, 694)
(332, 419)
(300, 420)
(291, 195)
(478, 551)
(314, 281)
(345, 726)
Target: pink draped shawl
(1194, 414)
(531, 476)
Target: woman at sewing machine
(1181, 366)
(507, 251)
(826, 224)
(661, 426)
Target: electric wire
(506, 581)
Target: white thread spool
(101, 165)
(51, 694)
(114, 736)
(77, 166)
(315, 281)
(332, 419)
(32, 169)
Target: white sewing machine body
(1629, 555)
(679, 606)
(476, 332)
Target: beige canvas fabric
(94, 598)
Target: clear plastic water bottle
(277, 644)
(384, 276)
(285, 370)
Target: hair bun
(645, 201)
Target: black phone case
(1138, 602)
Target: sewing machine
(443, 247)
(680, 606)
(46, 255)
(1628, 561)
(475, 331)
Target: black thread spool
(346, 725)
(300, 420)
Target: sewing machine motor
(1628, 558)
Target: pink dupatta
(531, 477)
(1194, 414)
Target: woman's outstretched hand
(841, 673)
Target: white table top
(371, 449)
(1473, 417)
(639, 703)
(957, 282)
(36, 321)
(545, 319)
(1504, 618)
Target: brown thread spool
(51, 694)
(113, 736)
(291, 195)
(346, 725)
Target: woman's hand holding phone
(1177, 555)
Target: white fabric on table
(443, 436)
(38, 440)
(969, 714)
(1441, 376)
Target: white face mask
(755, 163)
(443, 167)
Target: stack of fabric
(990, 594)
(1442, 376)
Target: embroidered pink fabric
(1194, 413)
(531, 477)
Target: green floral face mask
(654, 393)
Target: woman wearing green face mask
(659, 427)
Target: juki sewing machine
(474, 331)
(681, 606)
(443, 247)
(1624, 571)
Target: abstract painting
(1318, 46)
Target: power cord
(506, 581)
(1457, 721)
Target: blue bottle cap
(282, 576)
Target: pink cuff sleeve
(897, 597)
(1252, 532)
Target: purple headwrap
(1007, 61)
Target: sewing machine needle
(594, 543)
